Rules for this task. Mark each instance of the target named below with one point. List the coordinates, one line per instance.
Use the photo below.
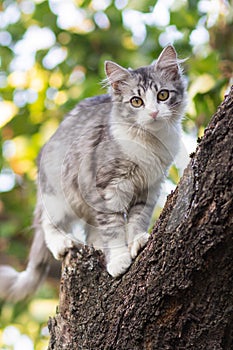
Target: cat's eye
(136, 102)
(163, 95)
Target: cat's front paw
(138, 243)
(119, 264)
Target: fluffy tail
(15, 286)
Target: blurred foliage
(52, 55)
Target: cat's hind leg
(57, 240)
(53, 221)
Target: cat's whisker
(187, 117)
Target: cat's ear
(116, 75)
(168, 61)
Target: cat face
(148, 95)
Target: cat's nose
(154, 114)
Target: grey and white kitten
(100, 174)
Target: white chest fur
(154, 153)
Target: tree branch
(178, 292)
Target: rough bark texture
(178, 294)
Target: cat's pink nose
(154, 114)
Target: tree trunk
(178, 293)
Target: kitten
(100, 174)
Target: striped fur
(100, 174)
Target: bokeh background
(52, 55)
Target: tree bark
(178, 293)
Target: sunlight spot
(69, 16)
(7, 180)
(128, 43)
(9, 149)
(24, 342)
(199, 36)
(32, 95)
(133, 20)
(22, 97)
(55, 56)
(202, 84)
(8, 111)
(5, 38)
(60, 97)
(214, 9)
(51, 92)
(98, 5)
(3, 80)
(27, 6)
(42, 308)
(160, 15)
(64, 38)
(18, 79)
(87, 26)
(47, 129)
(45, 332)
(35, 39)
(10, 335)
(75, 91)
(170, 35)
(10, 15)
(37, 78)
(25, 153)
(56, 80)
(101, 20)
(23, 61)
(77, 76)
(136, 21)
(120, 4)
